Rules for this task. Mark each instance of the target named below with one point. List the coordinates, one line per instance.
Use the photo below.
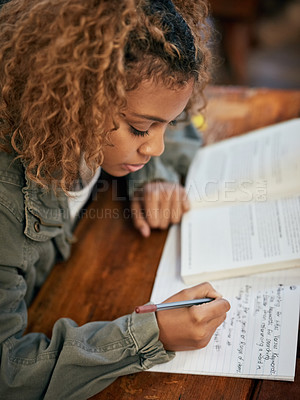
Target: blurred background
(257, 43)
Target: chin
(116, 174)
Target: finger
(219, 321)
(170, 207)
(177, 206)
(199, 291)
(204, 338)
(211, 311)
(152, 205)
(165, 211)
(139, 221)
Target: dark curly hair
(65, 67)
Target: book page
(259, 165)
(245, 238)
(258, 339)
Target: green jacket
(35, 232)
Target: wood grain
(234, 110)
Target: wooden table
(112, 268)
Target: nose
(154, 144)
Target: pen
(169, 306)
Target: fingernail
(145, 231)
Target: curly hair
(65, 67)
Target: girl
(86, 84)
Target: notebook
(258, 339)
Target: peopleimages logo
(228, 191)
(212, 191)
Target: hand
(158, 205)
(191, 328)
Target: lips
(132, 167)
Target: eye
(136, 132)
(173, 123)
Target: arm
(76, 362)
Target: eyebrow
(150, 117)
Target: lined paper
(258, 339)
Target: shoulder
(12, 181)
(12, 214)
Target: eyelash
(136, 132)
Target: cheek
(123, 140)
(122, 144)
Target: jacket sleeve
(76, 362)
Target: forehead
(153, 98)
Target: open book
(245, 206)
